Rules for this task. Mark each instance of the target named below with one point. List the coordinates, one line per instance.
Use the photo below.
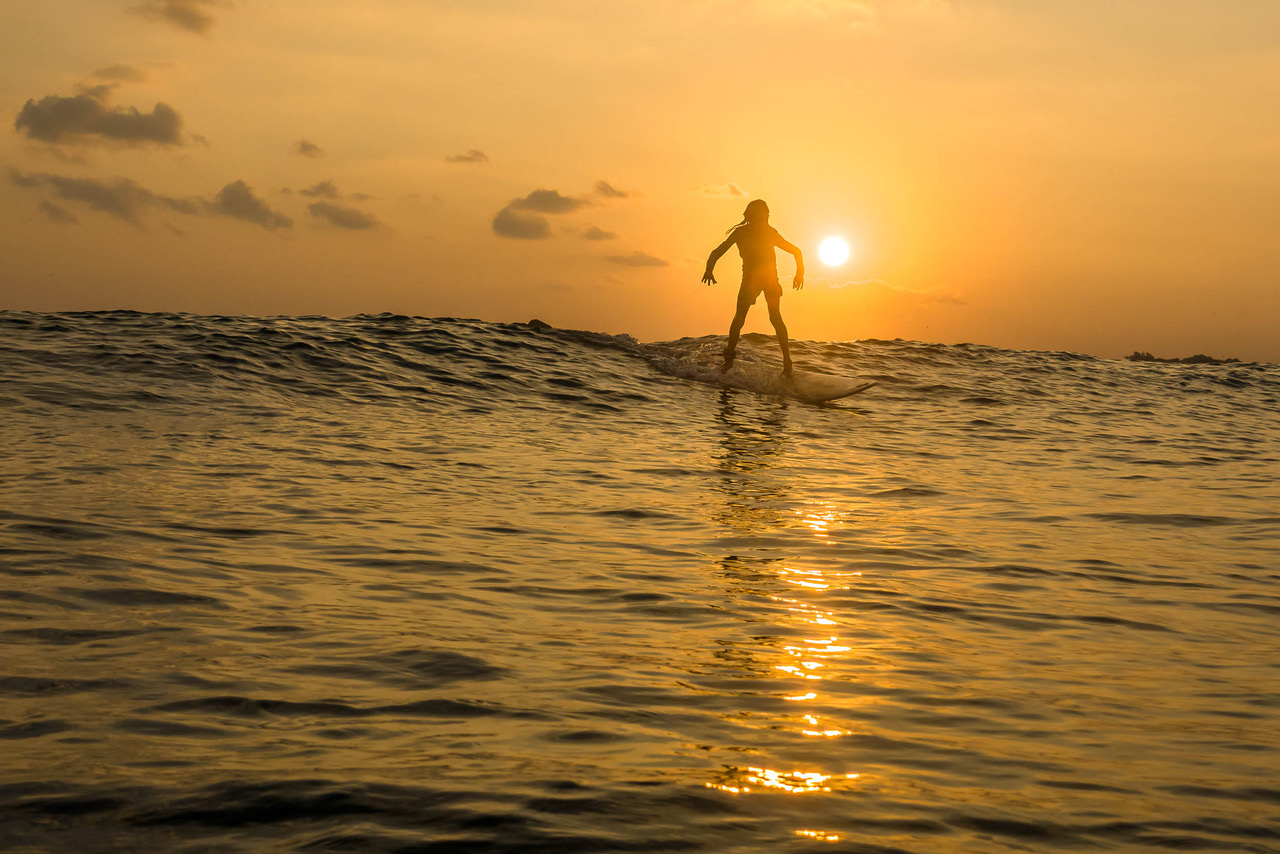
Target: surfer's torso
(756, 245)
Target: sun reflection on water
(819, 521)
(808, 613)
(812, 720)
(797, 589)
(740, 781)
(796, 671)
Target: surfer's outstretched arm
(715, 256)
(784, 245)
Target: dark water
(393, 584)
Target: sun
(833, 251)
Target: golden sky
(1089, 176)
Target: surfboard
(751, 373)
(818, 388)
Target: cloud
(730, 189)
(637, 259)
(307, 149)
(547, 202)
(120, 74)
(883, 287)
(124, 199)
(522, 219)
(86, 118)
(190, 15)
(329, 190)
(475, 155)
(348, 218)
(100, 92)
(121, 198)
(57, 214)
(237, 200)
(325, 189)
(596, 233)
(522, 226)
(604, 188)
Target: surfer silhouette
(756, 241)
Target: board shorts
(760, 283)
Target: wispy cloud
(307, 149)
(237, 200)
(120, 73)
(126, 200)
(604, 188)
(322, 190)
(637, 259)
(881, 286)
(597, 233)
(57, 214)
(87, 118)
(121, 198)
(342, 217)
(475, 155)
(730, 190)
(191, 15)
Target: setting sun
(833, 251)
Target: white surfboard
(817, 388)
(751, 373)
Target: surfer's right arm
(787, 246)
(715, 256)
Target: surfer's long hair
(756, 210)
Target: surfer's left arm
(783, 244)
(707, 275)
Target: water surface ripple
(397, 584)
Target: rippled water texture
(397, 584)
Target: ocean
(400, 584)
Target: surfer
(756, 241)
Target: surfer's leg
(735, 330)
(775, 317)
(745, 301)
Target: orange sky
(1088, 176)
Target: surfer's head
(757, 212)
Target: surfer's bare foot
(728, 361)
(786, 369)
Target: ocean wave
(386, 583)
(121, 361)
